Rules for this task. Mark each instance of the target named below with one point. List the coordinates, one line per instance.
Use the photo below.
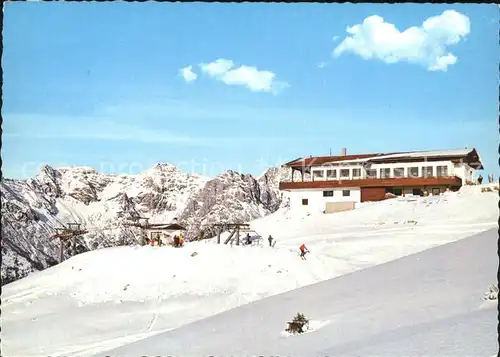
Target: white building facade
(321, 181)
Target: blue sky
(102, 85)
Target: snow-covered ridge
(33, 208)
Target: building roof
(321, 160)
(469, 155)
(167, 227)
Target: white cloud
(322, 64)
(425, 45)
(217, 68)
(335, 38)
(188, 74)
(253, 79)
(248, 76)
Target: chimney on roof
(343, 152)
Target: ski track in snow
(155, 315)
(106, 345)
(118, 295)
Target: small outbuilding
(164, 234)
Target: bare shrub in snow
(492, 293)
(299, 324)
(489, 189)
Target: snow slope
(122, 294)
(425, 304)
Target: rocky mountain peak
(165, 166)
(47, 171)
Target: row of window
(427, 171)
(416, 191)
(345, 193)
(344, 173)
(396, 191)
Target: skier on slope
(303, 251)
(270, 239)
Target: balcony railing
(373, 182)
(310, 178)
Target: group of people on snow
(303, 249)
(178, 241)
(248, 240)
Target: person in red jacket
(303, 251)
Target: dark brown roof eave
(173, 226)
(290, 163)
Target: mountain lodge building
(333, 183)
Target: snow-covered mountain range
(32, 209)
